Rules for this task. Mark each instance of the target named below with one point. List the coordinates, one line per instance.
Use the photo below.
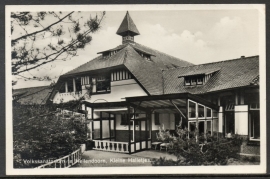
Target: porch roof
(168, 102)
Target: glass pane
(96, 129)
(70, 85)
(192, 110)
(215, 125)
(201, 111)
(215, 113)
(105, 115)
(208, 112)
(112, 128)
(192, 128)
(255, 125)
(208, 127)
(229, 122)
(201, 127)
(105, 129)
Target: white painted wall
(119, 90)
(241, 119)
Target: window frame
(192, 121)
(195, 110)
(210, 112)
(99, 80)
(253, 110)
(203, 111)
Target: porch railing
(111, 146)
(64, 162)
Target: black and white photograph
(135, 89)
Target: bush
(42, 134)
(199, 149)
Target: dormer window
(200, 80)
(187, 82)
(193, 80)
(144, 55)
(198, 76)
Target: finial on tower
(127, 29)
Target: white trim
(198, 104)
(195, 110)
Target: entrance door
(140, 134)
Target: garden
(194, 149)
(43, 133)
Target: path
(95, 158)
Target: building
(131, 90)
(32, 96)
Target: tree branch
(48, 27)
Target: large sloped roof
(32, 95)
(148, 73)
(127, 25)
(231, 74)
(161, 60)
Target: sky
(197, 36)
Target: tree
(42, 133)
(39, 38)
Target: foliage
(40, 133)
(200, 149)
(42, 37)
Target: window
(78, 84)
(201, 111)
(85, 80)
(157, 122)
(103, 84)
(254, 124)
(208, 112)
(120, 75)
(229, 107)
(192, 109)
(124, 119)
(215, 114)
(254, 116)
(62, 88)
(194, 80)
(192, 129)
(229, 122)
(208, 127)
(199, 80)
(70, 85)
(254, 106)
(187, 82)
(201, 127)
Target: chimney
(242, 56)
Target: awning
(167, 103)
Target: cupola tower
(127, 29)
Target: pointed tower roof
(126, 26)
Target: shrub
(41, 134)
(199, 149)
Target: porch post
(110, 126)
(92, 117)
(100, 120)
(187, 112)
(74, 84)
(129, 137)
